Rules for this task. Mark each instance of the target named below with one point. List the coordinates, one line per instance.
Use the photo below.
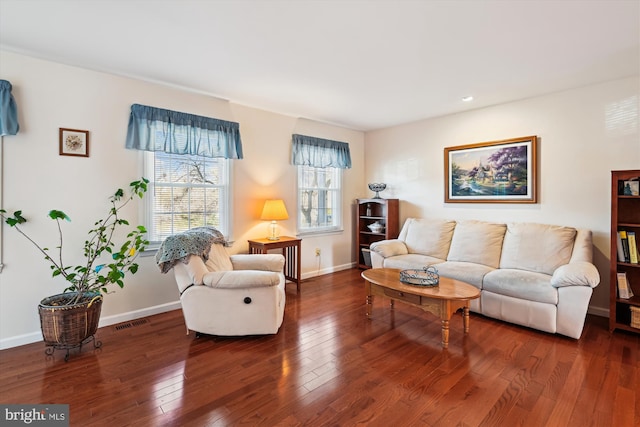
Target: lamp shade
(274, 210)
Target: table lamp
(274, 210)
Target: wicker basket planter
(69, 326)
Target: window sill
(318, 233)
(150, 250)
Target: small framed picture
(74, 142)
(631, 188)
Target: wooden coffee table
(443, 300)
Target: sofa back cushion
(427, 236)
(478, 242)
(537, 247)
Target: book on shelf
(620, 250)
(633, 247)
(624, 290)
(625, 245)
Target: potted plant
(71, 318)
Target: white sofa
(536, 275)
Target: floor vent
(131, 324)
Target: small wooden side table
(290, 246)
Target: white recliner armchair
(220, 294)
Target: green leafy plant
(94, 275)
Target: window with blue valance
(156, 129)
(320, 153)
(8, 110)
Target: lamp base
(273, 231)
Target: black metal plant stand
(51, 348)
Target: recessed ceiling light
(467, 98)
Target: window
(320, 163)
(187, 161)
(186, 191)
(319, 199)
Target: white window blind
(319, 199)
(186, 191)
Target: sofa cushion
(428, 236)
(410, 261)
(525, 285)
(537, 247)
(477, 242)
(582, 246)
(464, 271)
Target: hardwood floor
(330, 365)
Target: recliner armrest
(242, 279)
(264, 262)
(580, 273)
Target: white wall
(36, 179)
(583, 135)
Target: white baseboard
(104, 321)
(327, 270)
(137, 314)
(20, 340)
(598, 311)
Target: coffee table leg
(465, 320)
(367, 288)
(445, 333)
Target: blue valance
(156, 129)
(8, 110)
(320, 153)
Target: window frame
(226, 212)
(338, 208)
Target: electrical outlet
(317, 251)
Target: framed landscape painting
(492, 172)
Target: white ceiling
(359, 64)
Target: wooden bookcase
(368, 211)
(625, 215)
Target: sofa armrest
(387, 248)
(579, 273)
(264, 262)
(242, 279)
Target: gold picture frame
(74, 142)
(492, 172)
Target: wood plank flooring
(331, 366)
